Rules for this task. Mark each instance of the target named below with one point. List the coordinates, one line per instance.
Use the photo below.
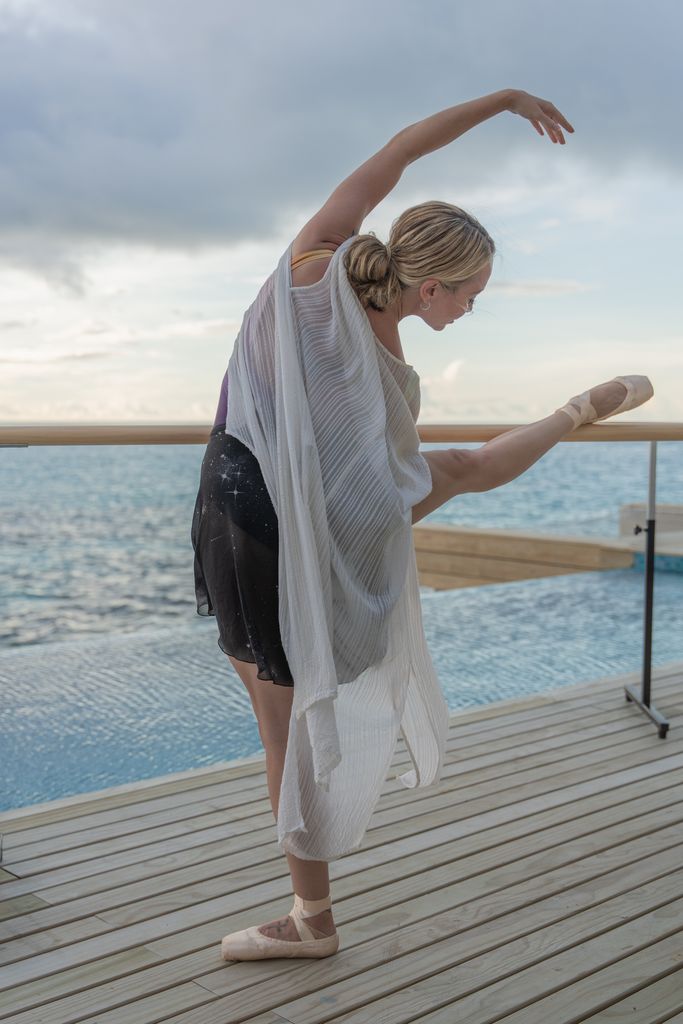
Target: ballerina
(437, 259)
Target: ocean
(96, 539)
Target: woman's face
(446, 306)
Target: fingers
(554, 131)
(555, 122)
(562, 120)
(551, 119)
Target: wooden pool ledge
(450, 556)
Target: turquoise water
(109, 676)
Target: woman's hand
(540, 112)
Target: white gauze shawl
(330, 415)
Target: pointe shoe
(251, 944)
(638, 390)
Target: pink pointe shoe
(638, 390)
(251, 944)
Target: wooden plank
(118, 821)
(651, 1004)
(452, 557)
(78, 982)
(462, 981)
(494, 570)
(124, 795)
(463, 782)
(658, 960)
(21, 905)
(511, 568)
(155, 1007)
(554, 549)
(579, 718)
(439, 582)
(394, 841)
(670, 673)
(91, 998)
(186, 818)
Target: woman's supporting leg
(310, 878)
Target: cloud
(57, 260)
(41, 358)
(58, 345)
(16, 325)
(191, 126)
(542, 288)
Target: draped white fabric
(330, 415)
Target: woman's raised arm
(352, 200)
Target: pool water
(87, 713)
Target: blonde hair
(432, 239)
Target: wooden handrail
(25, 434)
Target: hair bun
(368, 262)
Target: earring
(428, 306)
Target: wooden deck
(542, 881)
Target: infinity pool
(85, 714)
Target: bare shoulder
(348, 206)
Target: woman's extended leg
(508, 456)
(310, 878)
(465, 470)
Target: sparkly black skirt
(235, 540)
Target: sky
(157, 157)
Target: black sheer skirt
(235, 540)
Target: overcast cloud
(157, 155)
(181, 125)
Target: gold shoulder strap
(312, 254)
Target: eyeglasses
(469, 308)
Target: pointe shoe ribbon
(251, 944)
(638, 390)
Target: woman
(292, 400)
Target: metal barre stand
(643, 701)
